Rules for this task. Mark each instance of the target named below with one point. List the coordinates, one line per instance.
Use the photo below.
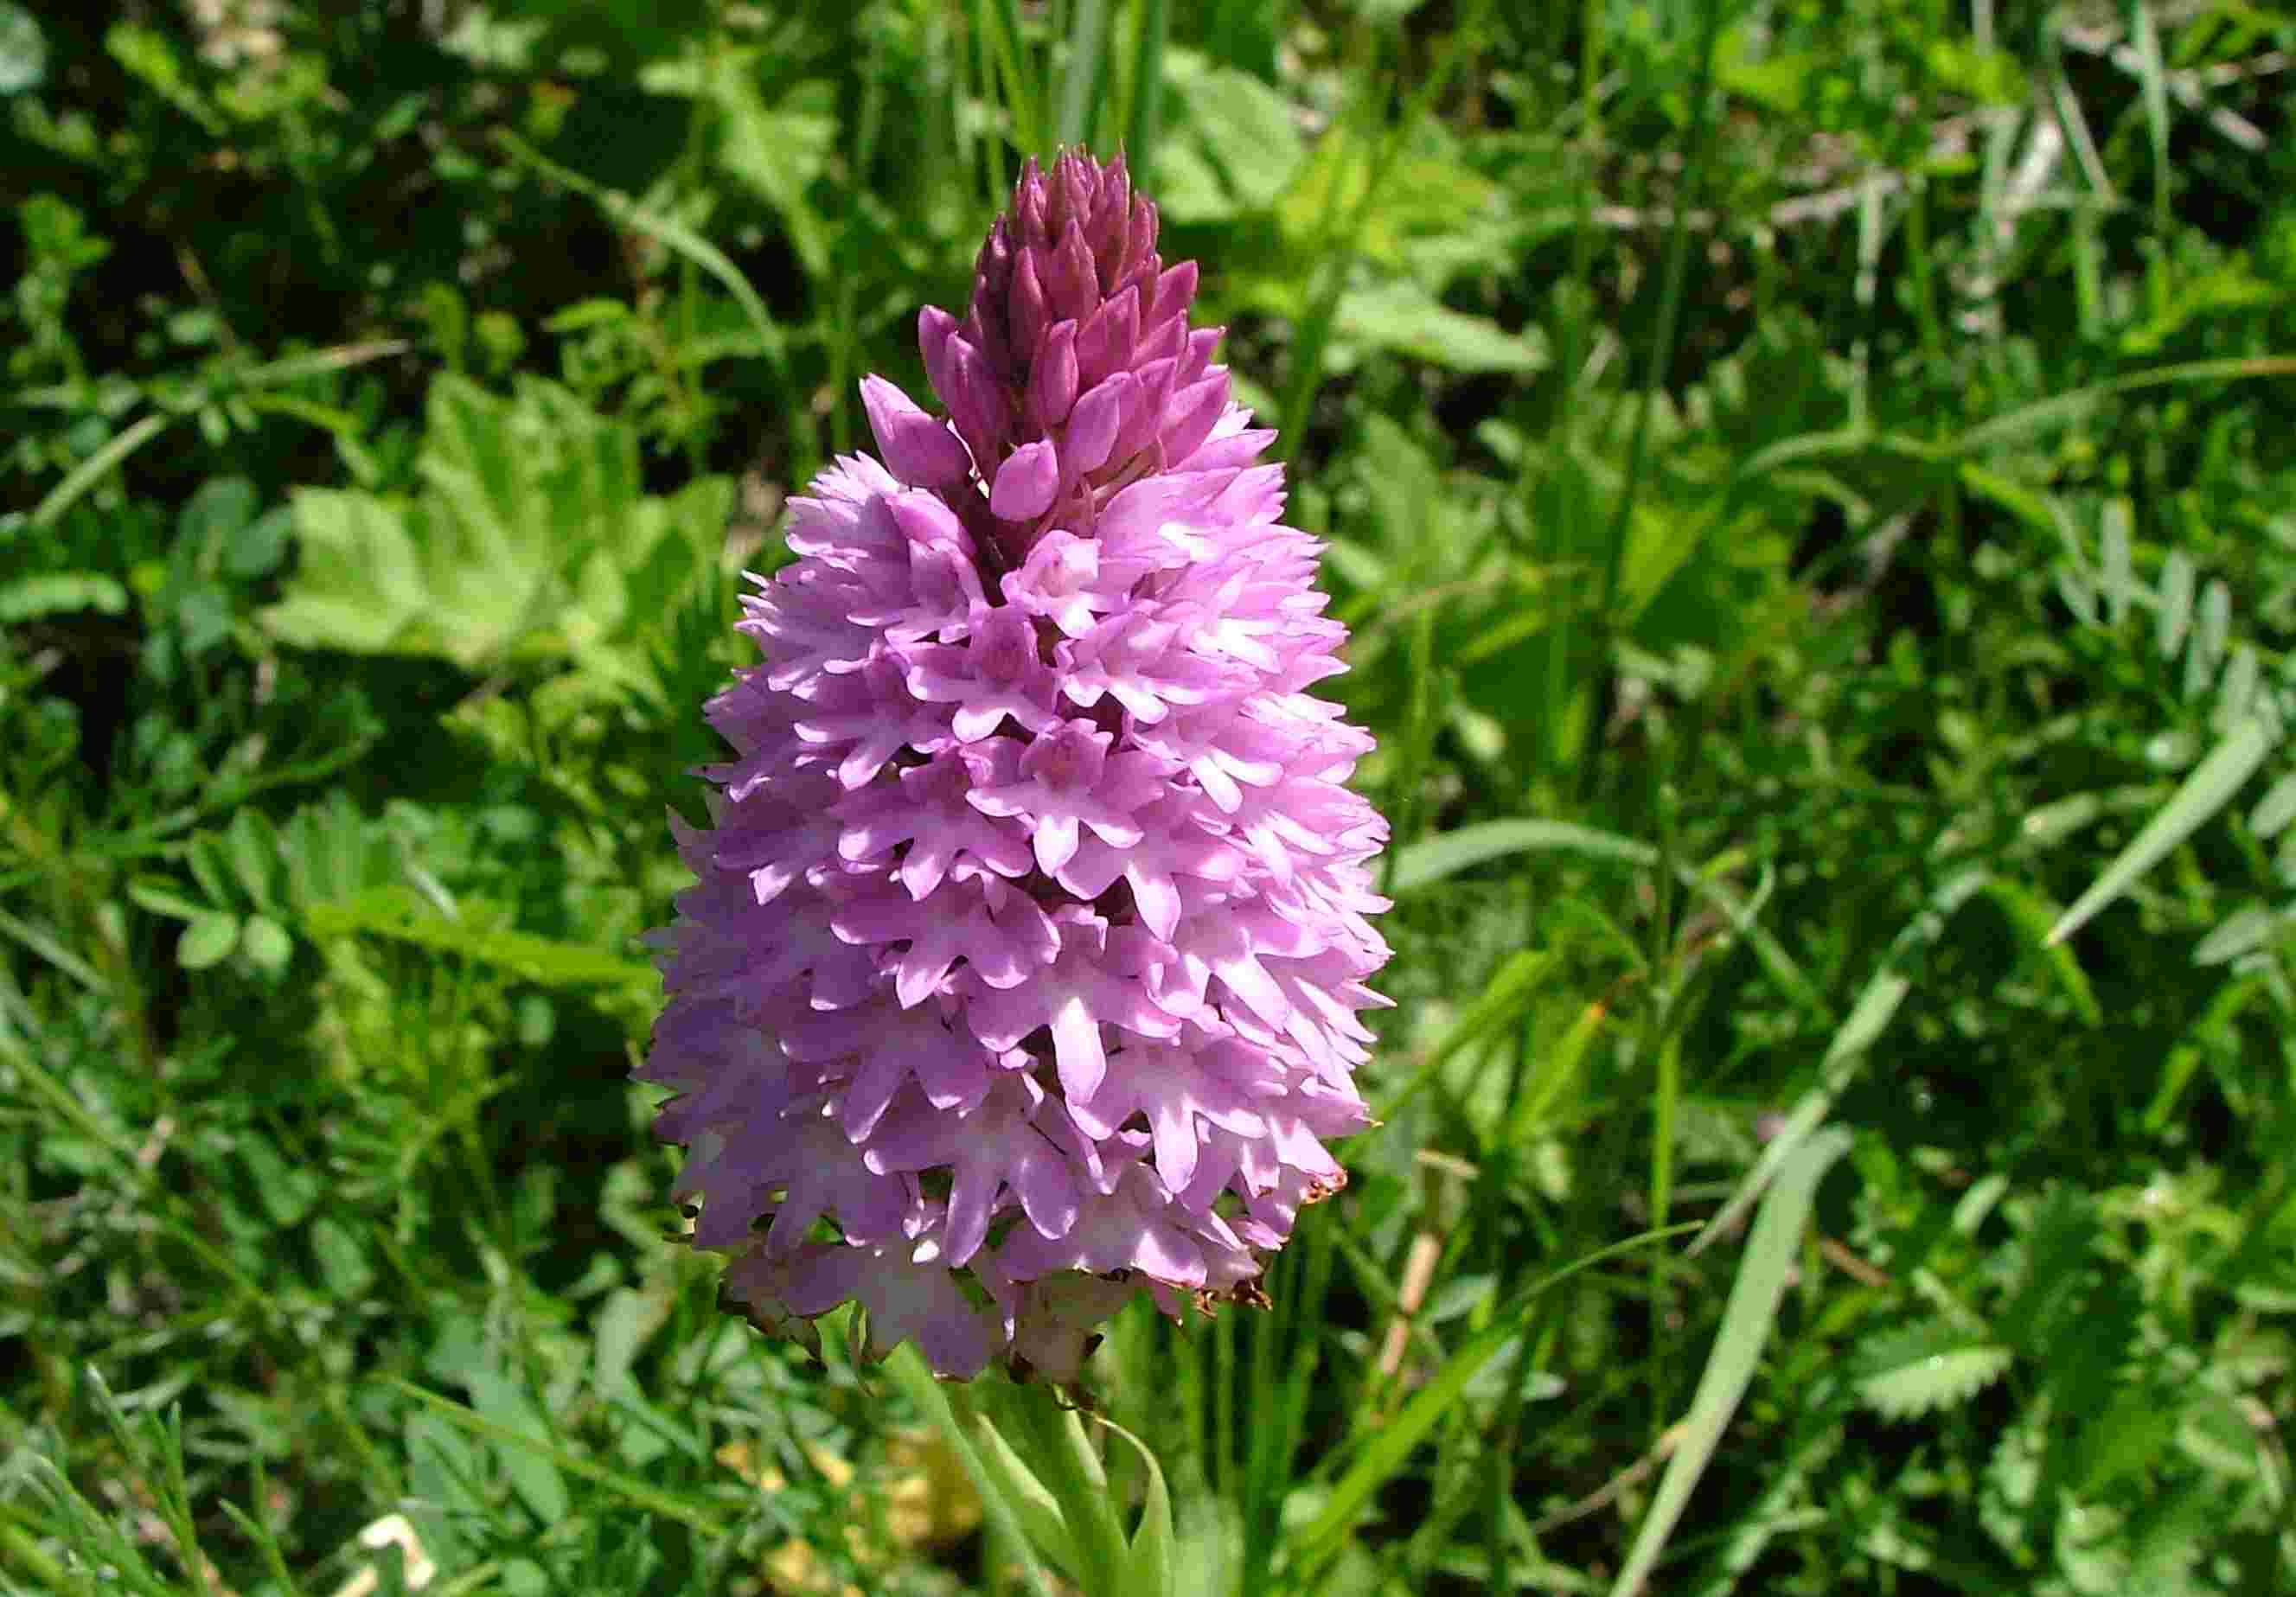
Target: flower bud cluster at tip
(1024, 962)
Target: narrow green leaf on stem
(1012, 1497)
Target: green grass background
(1812, 486)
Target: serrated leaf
(1926, 1376)
(2208, 789)
(525, 544)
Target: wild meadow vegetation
(1812, 485)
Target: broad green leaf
(60, 593)
(1149, 1573)
(359, 582)
(23, 50)
(2208, 789)
(532, 539)
(267, 944)
(256, 549)
(1746, 1322)
(1231, 145)
(207, 941)
(1401, 318)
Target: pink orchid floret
(1023, 965)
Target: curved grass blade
(2208, 789)
(1421, 864)
(94, 468)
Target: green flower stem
(1032, 1453)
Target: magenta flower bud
(918, 449)
(1093, 422)
(1105, 344)
(1053, 379)
(1026, 483)
(1031, 929)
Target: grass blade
(2208, 789)
(1147, 91)
(1430, 860)
(1081, 81)
(93, 468)
(1746, 1322)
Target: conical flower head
(1024, 962)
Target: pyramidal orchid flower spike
(1024, 965)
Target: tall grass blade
(1746, 1322)
(1147, 91)
(1080, 80)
